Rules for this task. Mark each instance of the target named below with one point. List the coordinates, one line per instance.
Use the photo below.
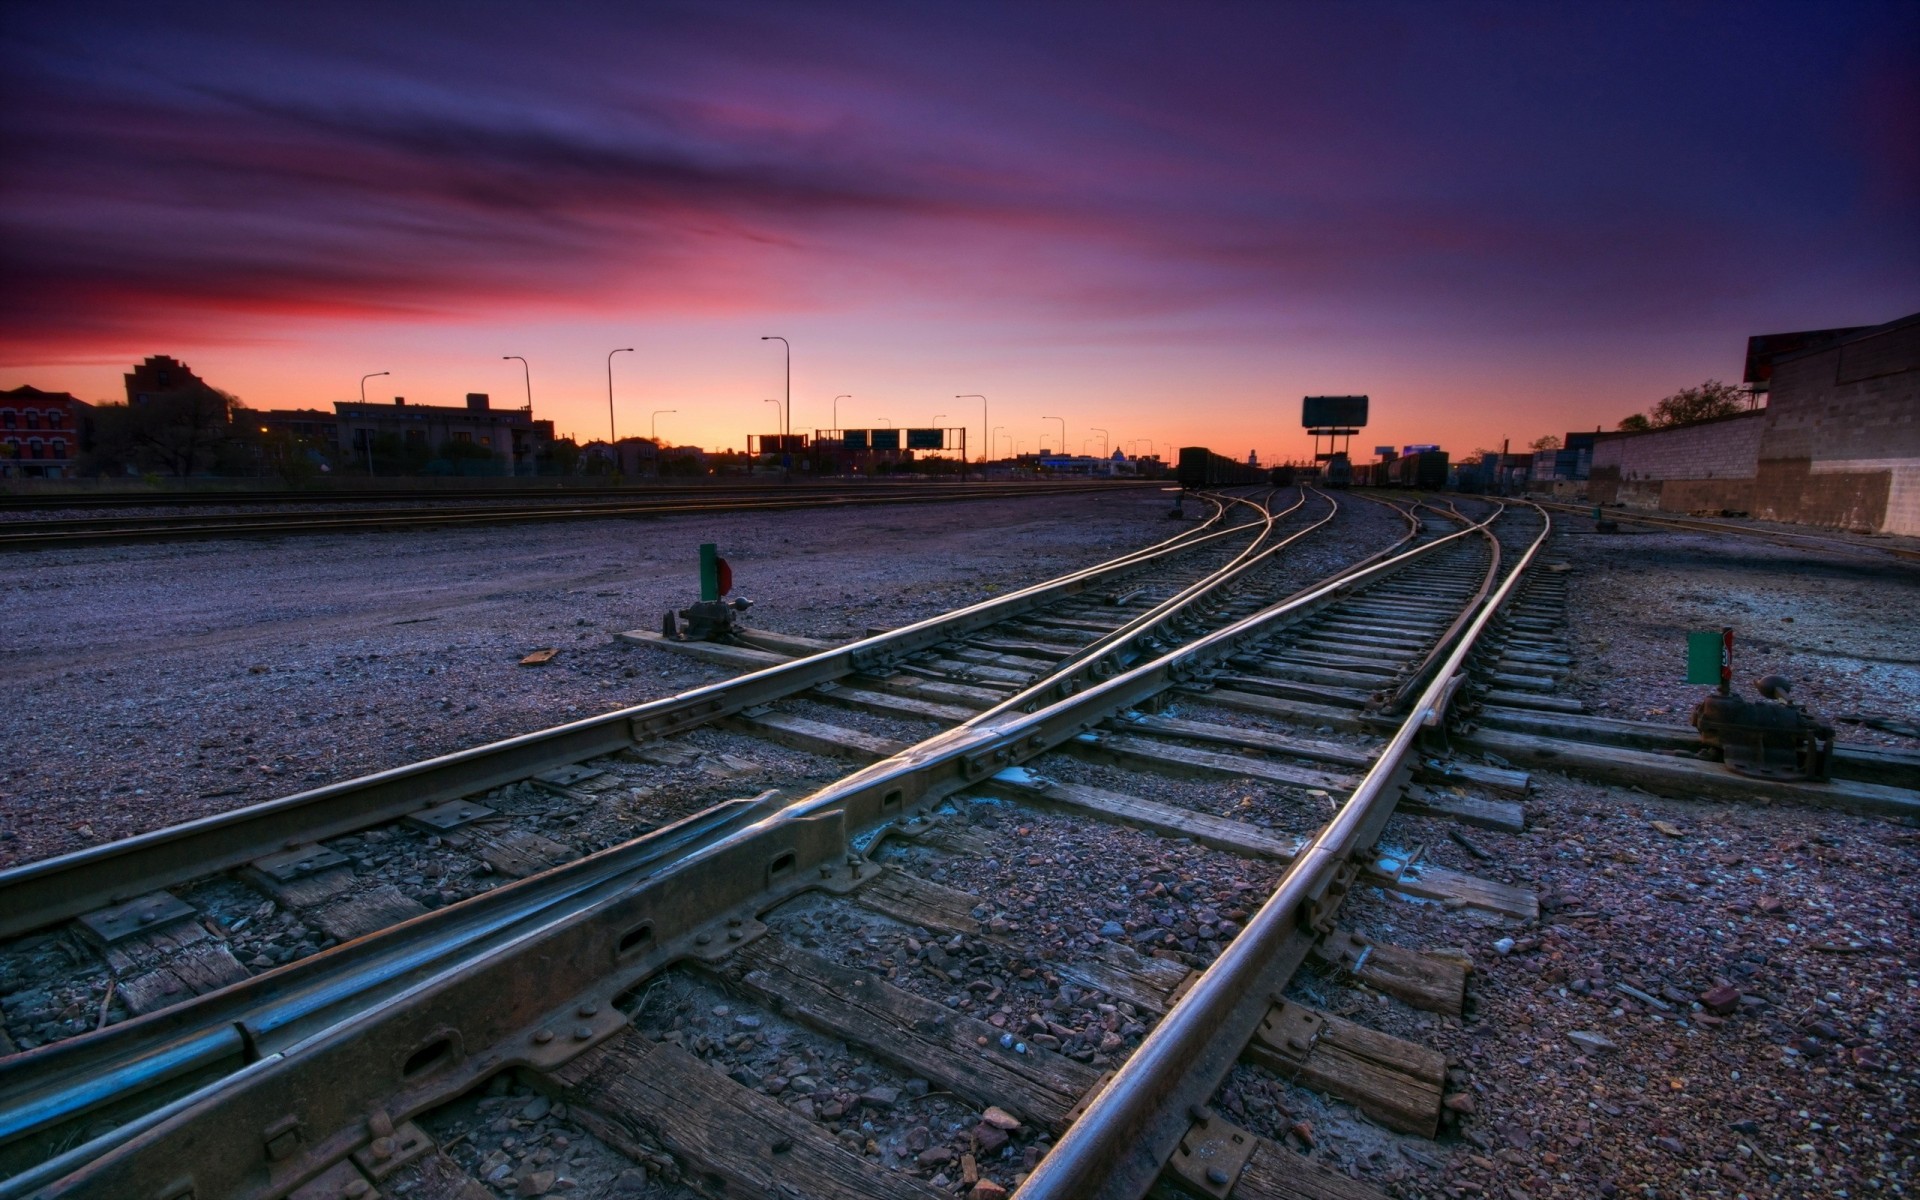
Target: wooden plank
(1277, 1173)
(201, 968)
(1188, 760)
(1394, 1081)
(919, 1036)
(1690, 777)
(637, 1095)
(366, 913)
(1560, 704)
(782, 643)
(1013, 662)
(1238, 837)
(1459, 889)
(818, 737)
(1287, 710)
(539, 658)
(970, 672)
(517, 853)
(1429, 982)
(884, 702)
(1256, 739)
(744, 657)
(1868, 764)
(1502, 815)
(303, 891)
(947, 693)
(1120, 972)
(1053, 650)
(1220, 833)
(1288, 689)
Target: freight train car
(1338, 473)
(1202, 468)
(1425, 470)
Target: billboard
(1333, 412)
(778, 443)
(886, 439)
(926, 439)
(853, 439)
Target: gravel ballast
(148, 685)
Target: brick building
(1838, 443)
(510, 436)
(40, 432)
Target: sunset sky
(1170, 221)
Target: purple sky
(1166, 221)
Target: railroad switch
(1768, 738)
(713, 618)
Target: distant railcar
(1424, 470)
(1338, 473)
(1201, 468)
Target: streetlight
(1104, 447)
(888, 420)
(528, 371)
(983, 420)
(653, 435)
(786, 430)
(613, 440)
(836, 409)
(993, 440)
(363, 416)
(1063, 431)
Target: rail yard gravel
(148, 685)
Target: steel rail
(34, 895)
(1122, 1141)
(577, 950)
(551, 487)
(428, 506)
(1395, 701)
(1140, 634)
(141, 529)
(150, 1059)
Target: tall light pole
(363, 416)
(983, 420)
(653, 435)
(1105, 448)
(888, 420)
(786, 430)
(612, 438)
(528, 372)
(993, 440)
(836, 409)
(1063, 431)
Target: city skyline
(1493, 220)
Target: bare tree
(1549, 442)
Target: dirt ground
(148, 685)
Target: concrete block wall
(1710, 466)
(1842, 443)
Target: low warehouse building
(1837, 445)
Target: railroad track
(56, 532)
(1351, 644)
(160, 948)
(550, 489)
(1783, 537)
